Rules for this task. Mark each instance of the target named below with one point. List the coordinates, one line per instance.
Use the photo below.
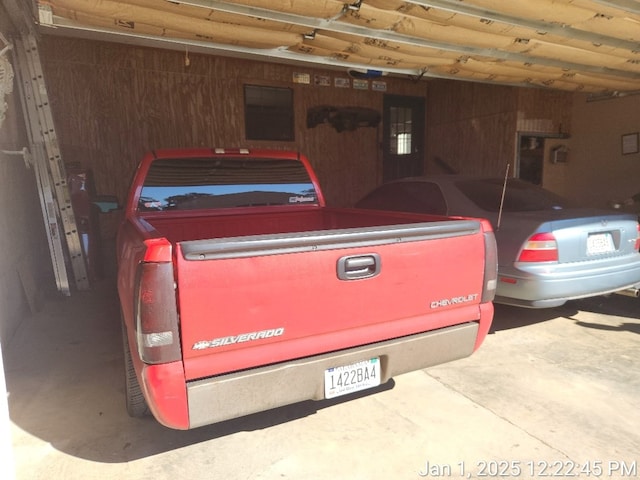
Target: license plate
(599, 243)
(351, 378)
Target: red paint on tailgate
(300, 293)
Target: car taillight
(541, 247)
(490, 267)
(156, 316)
(638, 238)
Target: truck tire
(136, 404)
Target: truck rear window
(203, 183)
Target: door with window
(530, 158)
(403, 137)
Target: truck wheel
(136, 404)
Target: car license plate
(351, 378)
(599, 243)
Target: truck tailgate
(259, 300)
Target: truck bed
(235, 223)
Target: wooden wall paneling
(346, 162)
(544, 111)
(473, 127)
(112, 102)
(475, 147)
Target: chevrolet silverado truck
(241, 291)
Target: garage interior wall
(113, 102)
(597, 170)
(472, 127)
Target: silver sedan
(548, 250)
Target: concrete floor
(550, 392)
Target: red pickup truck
(241, 291)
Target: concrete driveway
(550, 393)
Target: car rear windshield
(519, 196)
(203, 183)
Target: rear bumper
(237, 394)
(545, 287)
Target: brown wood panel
(112, 102)
(472, 128)
(473, 146)
(550, 108)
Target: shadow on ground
(507, 317)
(615, 304)
(623, 327)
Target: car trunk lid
(580, 234)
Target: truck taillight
(490, 267)
(158, 250)
(541, 247)
(156, 315)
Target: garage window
(268, 113)
(400, 129)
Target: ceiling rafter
(62, 26)
(456, 6)
(334, 25)
(631, 6)
(579, 45)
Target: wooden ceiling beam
(630, 6)
(542, 27)
(334, 25)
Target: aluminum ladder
(55, 198)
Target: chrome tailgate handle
(357, 267)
